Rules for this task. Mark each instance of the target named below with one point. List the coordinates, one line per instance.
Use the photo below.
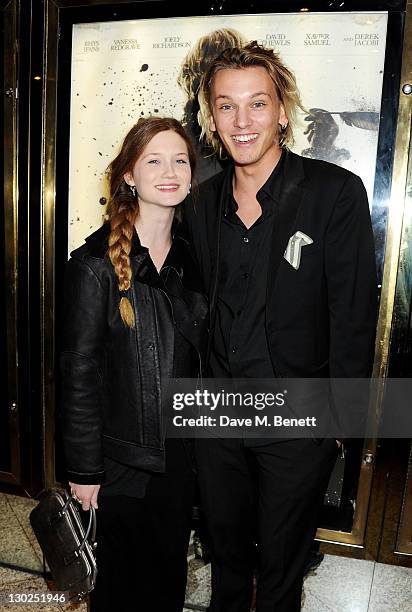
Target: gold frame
(404, 536)
(356, 538)
(398, 207)
(48, 191)
(11, 13)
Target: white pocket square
(294, 249)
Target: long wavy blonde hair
(123, 205)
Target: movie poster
(124, 70)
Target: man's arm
(352, 298)
(352, 284)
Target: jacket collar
(142, 266)
(98, 243)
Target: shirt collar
(268, 191)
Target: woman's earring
(283, 127)
(190, 186)
(133, 190)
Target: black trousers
(142, 546)
(266, 494)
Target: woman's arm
(82, 378)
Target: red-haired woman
(134, 317)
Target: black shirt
(240, 348)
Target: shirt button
(245, 275)
(245, 239)
(234, 349)
(195, 323)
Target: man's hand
(85, 494)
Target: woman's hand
(85, 494)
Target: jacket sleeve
(353, 300)
(81, 368)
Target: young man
(286, 251)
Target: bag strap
(91, 529)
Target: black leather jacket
(113, 375)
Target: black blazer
(321, 317)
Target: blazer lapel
(214, 233)
(290, 199)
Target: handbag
(68, 547)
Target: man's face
(246, 114)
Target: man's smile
(244, 137)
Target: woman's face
(162, 173)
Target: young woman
(134, 317)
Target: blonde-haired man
(276, 311)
